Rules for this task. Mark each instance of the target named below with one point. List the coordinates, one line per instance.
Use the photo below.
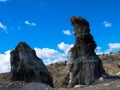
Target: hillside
(111, 63)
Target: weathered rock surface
(83, 64)
(26, 66)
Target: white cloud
(67, 32)
(4, 62)
(107, 24)
(98, 50)
(50, 55)
(3, 27)
(30, 23)
(46, 52)
(114, 45)
(65, 47)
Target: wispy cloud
(107, 24)
(30, 23)
(67, 32)
(4, 0)
(112, 47)
(3, 27)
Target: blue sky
(45, 26)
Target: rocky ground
(111, 63)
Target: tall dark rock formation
(83, 64)
(26, 66)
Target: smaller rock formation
(83, 64)
(26, 66)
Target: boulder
(26, 66)
(83, 63)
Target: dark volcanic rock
(26, 66)
(83, 64)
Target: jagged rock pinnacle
(26, 66)
(83, 64)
